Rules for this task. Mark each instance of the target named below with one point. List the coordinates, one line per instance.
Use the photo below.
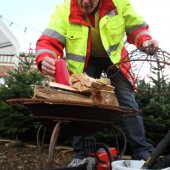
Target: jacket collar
(77, 17)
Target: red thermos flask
(61, 73)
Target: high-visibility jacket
(68, 29)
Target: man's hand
(150, 43)
(48, 66)
(150, 46)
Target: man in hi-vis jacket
(91, 32)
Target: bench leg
(53, 141)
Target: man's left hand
(150, 43)
(150, 46)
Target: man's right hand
(48, 66)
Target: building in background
(9, 50)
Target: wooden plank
(59, 95)
(96, 96)
(61, 86)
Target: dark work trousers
(133, 125)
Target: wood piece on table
(104, 97)
(61, 86)
(59, 95)
(100, 86)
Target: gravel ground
(20, 157)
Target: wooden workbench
(78, 117)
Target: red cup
(61, 73)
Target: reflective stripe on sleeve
(133, 29)
(141, 33)
(55, 35)
(46, 51)
(74, 57)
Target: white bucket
(133, 165)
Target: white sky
(34, 14)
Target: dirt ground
(27, 157)
(19, 156)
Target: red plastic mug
(61, 73)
